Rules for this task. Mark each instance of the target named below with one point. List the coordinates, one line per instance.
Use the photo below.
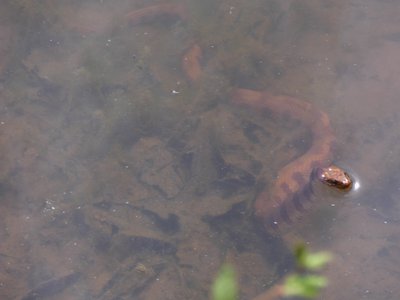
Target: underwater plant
(304, 282)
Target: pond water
(129, 171)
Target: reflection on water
(121, 178)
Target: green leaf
(306, 286)
(317, 260)
(225, 286)
(311, 261)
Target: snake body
(276, 204)
(149, 13)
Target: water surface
(122, 179)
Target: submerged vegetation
(303, 282)
(225, 286)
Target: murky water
(121, 178)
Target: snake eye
(335, 177)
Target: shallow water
(122, 179)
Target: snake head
(335, 177)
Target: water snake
(275, 205)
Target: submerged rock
(155, 166)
